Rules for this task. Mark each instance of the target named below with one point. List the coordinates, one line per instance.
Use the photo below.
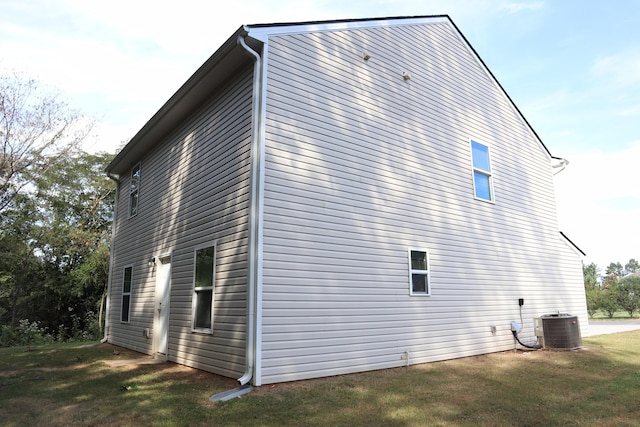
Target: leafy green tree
(614, 268)
(590, 274)
(92, 278)
(608, 301)
(78, 200)
(593, 295)
(592, 289)
(632, 266)
(62, 227)
(627, 293)
(20, 269)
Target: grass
(72, 385)
(618, 315)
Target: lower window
(125, 308)
(203, 288)
(419, 272)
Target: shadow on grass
(73, 386)
(598, 385)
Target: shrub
(26, 333)
(8, 336)
(608, 301)
(628, 294)
(85, 329)
(593, 300)
(31, 333)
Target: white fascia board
(263, 33)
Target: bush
(26, 333)
(593, 300)
(608, 301)
(86, 329)
(8, 336)
(628, 294)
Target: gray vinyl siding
(361, 165)
(194, 189)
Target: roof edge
(263, 31)
(183, 92)
(488, 70)
(572, 244)
(347, 21)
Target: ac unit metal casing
(558, 330)
(538, 329)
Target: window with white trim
(203, 288)
(419, 272)
(125, 308)
(482, 177)
(134, 190)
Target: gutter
(107, 304)
(254, 219)
(560, 163)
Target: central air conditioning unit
(560, 330)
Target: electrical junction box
(538, 329)
(515, 327)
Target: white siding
(360, 166)
(194, 189)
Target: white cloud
(120, 61)
(598, 198)
(630, 111)
(621, 69)
(515, 7)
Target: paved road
(600, 327)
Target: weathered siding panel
(194, 189)
(360, 166)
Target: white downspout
(254, 221)
(110, 274)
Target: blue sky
(572, 67)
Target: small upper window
(134, 190)
(419, 272)
(482, 181)
(203, 289)
(125, 308)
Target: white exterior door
(163, 292)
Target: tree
(632, 266)
(62, 227)
(614, 268)
(78, 199)
(608, 301)
(36, 131)
(592, 290)
(628, 294)
(590, 275)
(593, 300)
(20, 269)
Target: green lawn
(61, 385)
(619, 315)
